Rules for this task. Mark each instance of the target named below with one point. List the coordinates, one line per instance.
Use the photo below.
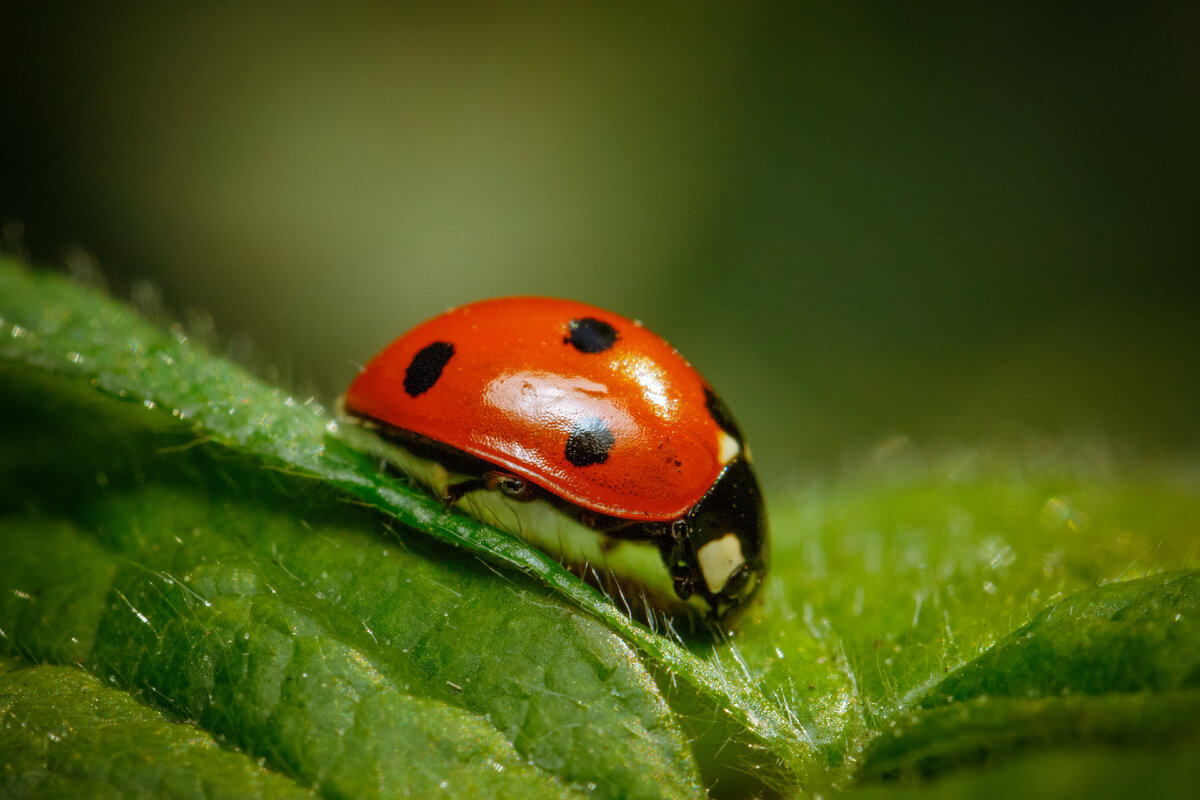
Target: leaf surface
(226, 561)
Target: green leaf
(1119, 664)
(95, 741)
(226, 562)
(1167, 769)
(1133, 636)
(225, 637)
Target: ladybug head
(722, 544)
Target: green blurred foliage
(857, 220)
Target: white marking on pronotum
(728, 448)
(719, 559)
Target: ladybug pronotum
(583, 433)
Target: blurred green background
(859, 221)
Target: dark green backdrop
(858, 221)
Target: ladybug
(583, 433)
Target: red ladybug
(583, 433)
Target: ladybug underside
(643, 565)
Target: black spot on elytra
(590, 335)
(589, 442)
(721, 414)
(426, 367)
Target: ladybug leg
(509, 485)
(455, 491)
(505, 483)
(675, 554)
